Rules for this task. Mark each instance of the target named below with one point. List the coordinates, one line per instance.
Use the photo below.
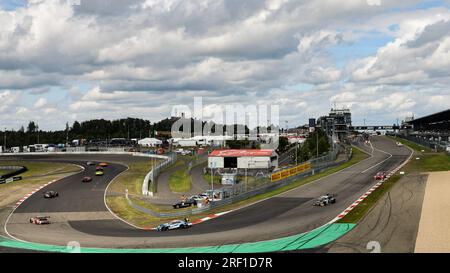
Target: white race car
(175, 224)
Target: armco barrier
(149, 185)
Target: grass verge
(429, 162)
(131, 179)
(120, 206)
(180, 181)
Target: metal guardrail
(149, 184)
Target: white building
(296, 139)
(243, 159)
(200, 141)
(149, 142)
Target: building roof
(149, 140)
(436, 117)
(241, 152)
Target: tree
(312, 148)
(32, 127)
(76, 128)
(283, 143)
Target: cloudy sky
(60, 61)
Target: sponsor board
(11, 179)
(290, 172)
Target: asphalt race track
(79, 214)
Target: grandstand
(432, 131)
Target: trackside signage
(290, 172)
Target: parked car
(175, 224)
(380, 176)
(51, 194)
(86, 179)
(40, 220)
(325, 200)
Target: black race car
(185, 203)
(51, 194)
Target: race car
(380, 176)
(399, 144)
(99, 168)
(40, 220)
(86, 179)
(197, 198)
(185, 203)
(175, 224)
(325, 200)
(90, 163)
(51, 194)
(103, 164)
(99, 173)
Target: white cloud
(40, 103)
(145, 56)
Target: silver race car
(325, 200)
(175, 224)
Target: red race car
(40, 220)
(86, 179)
(380, 176)
(99, 168)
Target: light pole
(5, 139)
(246, 178)
(317, 143)
(212, 165)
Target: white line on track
(375, 149)
(106, 205)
